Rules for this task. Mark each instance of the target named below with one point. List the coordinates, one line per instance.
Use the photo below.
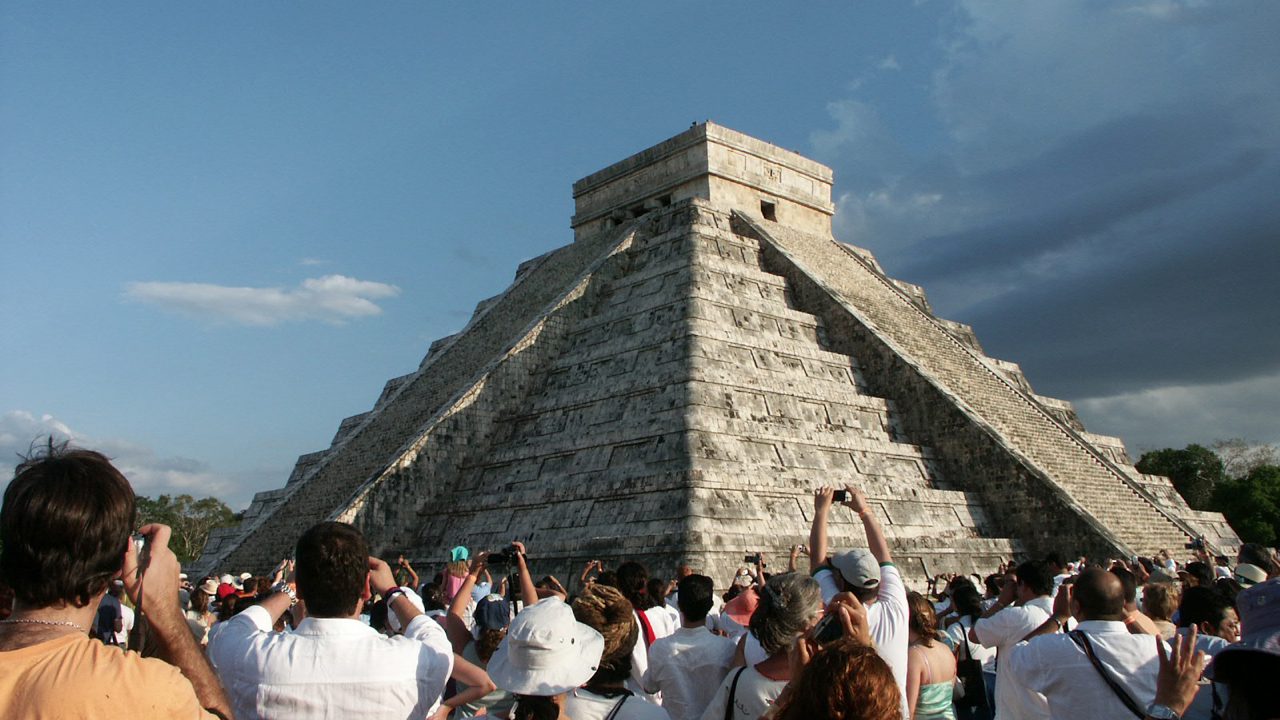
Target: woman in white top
(790, 604)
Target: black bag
(971, 688)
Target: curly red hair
(844, 681)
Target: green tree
(191, 520)
(1252, 504)
(1195, 471)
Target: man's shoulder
(99, 673)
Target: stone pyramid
(673, 384)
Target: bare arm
(818, 531)
(415, 584)
(528, 593)
(382, 582)
(455, 626)
(914, 671)
(876, 542)
(156, 595)
(474, 677)
(1057, 622)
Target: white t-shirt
(1003, 631)
(583, 704)
(959, 632)
(887, 618)
(753, 696)
(687, 668)
(662, 626)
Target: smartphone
(751, 559)
(840, 496)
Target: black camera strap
(1082, 640)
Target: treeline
(1239, 480)
(191, 520)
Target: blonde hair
(457, 568)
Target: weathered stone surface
(674, 384)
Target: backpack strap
(1082, 640)
(617, 707)
(733, 690)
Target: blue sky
(224, 226)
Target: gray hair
(788, 604)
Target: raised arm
(876, 543)
(455, 624)
(822, 498)
(156, 595)
(528, 593)
(382, 581)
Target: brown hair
(1159, 600)
(610, 613)
(64, 526)
(923, 621)
(332, 568)
(488, 642)
(843, 681)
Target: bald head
(1100, 595)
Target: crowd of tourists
(98, 621)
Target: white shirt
(1054, 666)
(662, 626)
(330, 667)
(753, 696)
(887, 618)
(126, 617)
(687, 668)
(959, 632)
(585, 705)
(1002, 631)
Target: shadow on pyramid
(673, 385)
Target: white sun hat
(546, 651)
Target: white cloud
(149, 472)
(889, 63)
(311, 262)
(332, 299)
(1176, 416)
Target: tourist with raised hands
(869, 574)
(65, 527)
(350, 670)
(476, 643)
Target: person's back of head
(1129, 582)
(605, 610)
(1100, 595)
(1054, 560)
(1036, 576)
(789, 604)
(632, 581)
(1159, 600)
(332, 568)
(1201, 605)
(64, 526)
(843, 681)
(1259, 555)
(967, 601)
(1200, 573)
(922, 620)
(694, 595)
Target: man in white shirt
(1058, 666)
(333, 665)
(869, 574)
(1024, 604)
(688, 666)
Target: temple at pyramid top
(673, 385)
(716, 164)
